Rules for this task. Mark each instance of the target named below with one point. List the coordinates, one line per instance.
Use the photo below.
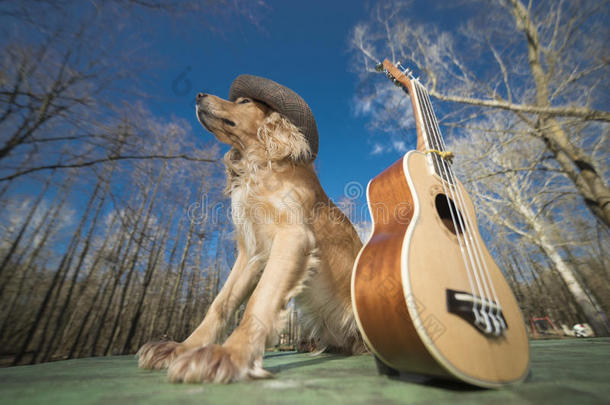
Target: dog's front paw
(159, 355)
(213, 363)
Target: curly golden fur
(293, 242)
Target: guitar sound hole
(444, 207)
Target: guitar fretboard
(431, 132)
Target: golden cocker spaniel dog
(292, 241)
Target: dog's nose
(200, 96)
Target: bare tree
(90, 147)
(58, 90)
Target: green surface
(563, 371)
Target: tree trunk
(63, 312)
(22, 230)
(180, 275)
(152, 265)
(575, 163)
(117, 272)
(63, 272)
(136, 255)
(53, 214)
(166, 282)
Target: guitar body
(404, 273)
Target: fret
(431, 132)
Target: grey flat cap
(282, 100)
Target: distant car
(580, 330)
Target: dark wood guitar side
(412, 292)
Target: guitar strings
(477, 242)
(464, 247)
(469, 225)
(497, 318)
(495, 310)
(458, 206)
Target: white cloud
(377, 149)
(399, 146)
(391, 147)
(362, 107)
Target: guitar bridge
(484, 314)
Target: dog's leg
(239, 284)
(241, 356)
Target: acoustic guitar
(427, 295)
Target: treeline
(542, 293)
(113, 225)
(99, 261)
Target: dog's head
(263, 121)
(253, 128)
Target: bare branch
(103, 160)
(583, 113)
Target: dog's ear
(231, 160)
(282, 139)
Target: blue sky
(303, 45)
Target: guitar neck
(429, 136)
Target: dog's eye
(244, 101)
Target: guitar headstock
(409, 84)
(401, 78)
